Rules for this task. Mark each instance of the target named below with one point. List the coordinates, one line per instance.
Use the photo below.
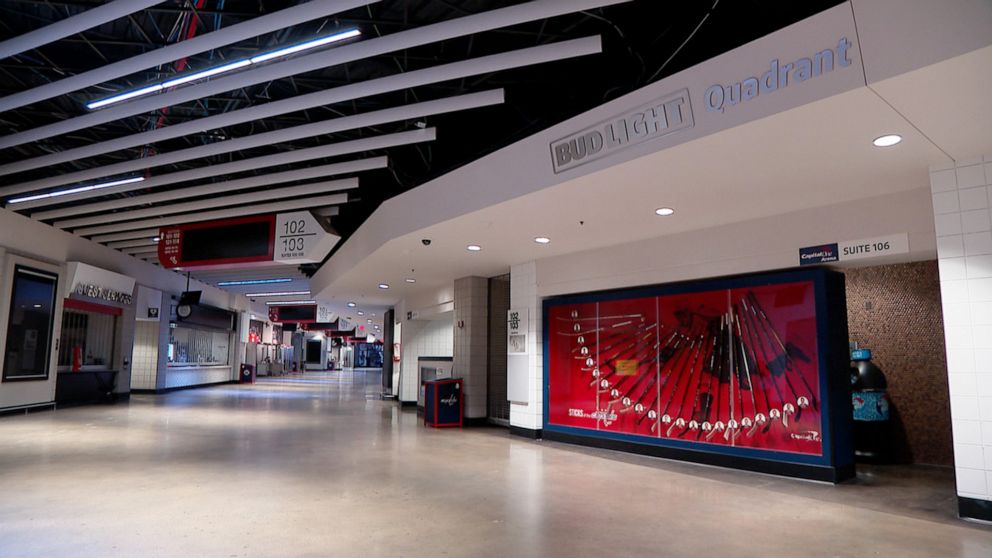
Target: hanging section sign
(288, 238)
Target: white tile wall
(144, 357)
(523, 294)
(964, 250)
(422, 338)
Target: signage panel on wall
(665, 115)
(736, 367)
(94, 282)
(855, 249)
(289, 238)
(517, 326)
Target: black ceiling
(642, 42)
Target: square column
(527, 417)
(471, 343)
(961, 206)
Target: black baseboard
(475, 421)
(526, 432)
(406, 404)
(797, 470)
(26, 410)
(180, 388)
(972, 508)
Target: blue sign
(818, 254)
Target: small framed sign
(517, 324)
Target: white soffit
(949, 101)
(224, 201)
(455, 70)
(220, 187)
(334, 125)
(254, 163)
(467, 25)
(139, 228)
(252, 28)
(93, 17)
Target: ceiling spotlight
(473, 247)
(410, 280)
(664, 211)
(156, 239)
(542, 240)
(887, 140)
(369, 321)
(383, 286)
(360, 313)
(351, 305)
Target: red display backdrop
(731, 367)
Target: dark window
(29, 325)
(314, 347)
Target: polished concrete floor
(318, 466)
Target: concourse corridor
(316, 465)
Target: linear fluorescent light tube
(252, 282)
(225, 68)
(77, 190)
(306, 46)
(291, 303)
(284, 293)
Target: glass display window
(29, 324)
(198, 347)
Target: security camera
(426, 242)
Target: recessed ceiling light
(383, 286)
(542, 240)
(664, 211)
(360, 313)
(887, 140)
(473, 247)
(351, 305)
(156, 239)
(369, 321)
(410, 280)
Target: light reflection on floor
(317, 465)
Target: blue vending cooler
(443, 402)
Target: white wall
(757, 245)
(423, 338)
(32, 392)
(527, 368)
(961, 205)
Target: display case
(748, 372)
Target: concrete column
(528, 414)
(471, 342)
(961, 205)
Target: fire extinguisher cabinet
(443, 402)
